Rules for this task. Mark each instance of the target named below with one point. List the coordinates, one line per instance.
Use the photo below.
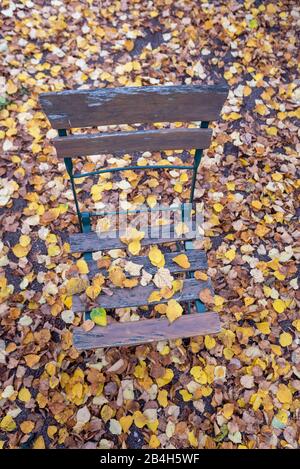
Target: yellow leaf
(93, 291)
(39, 443)
(192, 439)
(184, 177)
(199, 375)
(20, 251)
(24, 395)
(296, 324)
(155, 296)
(27, 426)
(279, 306)
(182, 260)
(271, 131)
(218, 207)
(247, 90)
(186, 396)
(166, 378)
(130, 282)
(50, 368)
(151, 201)
(82, 266)
(11, 87)
(256, 204)
(261, 109)
(177, 285)
(230, 254)
(156, 257)
(117, 276)
(154, 442)
(139, 419)
(107, 413)
(76, 285)
(263, 327)
(24, 240)
(132, 234)
(174, 310)
(129, 45)
(232, 116)
(284, 394)
(228, 410)
(200, 275)
(271, 8)
(249, 301)
(261, 230)
(134, 247)
(31, 359)
(285, 339)
(276, 349)
(126, 422)
(209, 342)
(178, 188)
(277, 177)
(53, 250)
(163, 398)
(230, 186)
(8, 424)
(51, 430)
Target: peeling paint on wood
(88, 108)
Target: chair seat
(146, 331)
(94, 241)
(138, 296)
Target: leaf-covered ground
(239, 389)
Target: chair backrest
(106, 106)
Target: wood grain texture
(147, 330)
(138, 296)
(163, 139)
(127, 105)
(91, 242)
(197, 260)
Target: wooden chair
(96, 107)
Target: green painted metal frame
(84, 218)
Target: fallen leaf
(98, 316)
(174, 310)
(182, 260)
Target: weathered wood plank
(197, 260)
(163, 139)
(138, 296)
(91, 242)
(147, 330)
(103, 106)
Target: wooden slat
(163, 139)
(138, 296)
(197, 259)
(91, 242)
(103, 106)
(147, 330)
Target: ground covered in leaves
(239, 389)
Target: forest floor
(239, 389)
